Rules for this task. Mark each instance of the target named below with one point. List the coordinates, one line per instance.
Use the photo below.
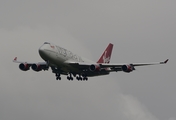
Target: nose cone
(43, 48)
(43, 52)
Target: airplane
(64, 62)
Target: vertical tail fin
(106, 56)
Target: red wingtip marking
(166, 61)
(15, 58)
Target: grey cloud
(141, 31)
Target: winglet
(15, 59)
(164, 61)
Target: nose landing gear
(58, 76)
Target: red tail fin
(106, 56)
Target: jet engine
(39, 66)
(128, 68)
(94, 67)
(36, 67)
(24, 66)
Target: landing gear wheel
(69, 77)
(85, 78)
(58, 76)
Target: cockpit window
(46, 43)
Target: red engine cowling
(128, 68)
(95, 67)
(24, 66)
(36, 67)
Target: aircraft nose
(42, 51)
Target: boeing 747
(64, 62)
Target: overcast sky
(141, 31)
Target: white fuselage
(58, 56)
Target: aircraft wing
(16, 61)
(135, 64)
(79, 65)
(35, 66)
(113, 66)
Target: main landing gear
(79, 78)
(69, 77)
